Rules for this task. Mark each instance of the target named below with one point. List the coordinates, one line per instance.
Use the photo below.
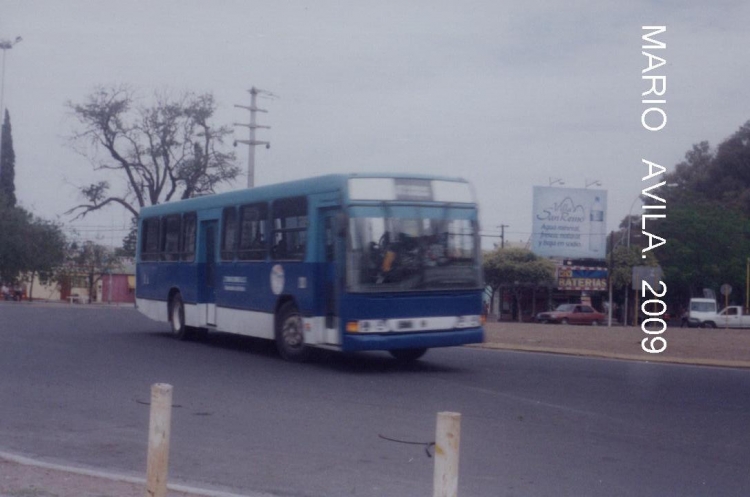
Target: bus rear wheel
(177, 317)
(407, 355)
(290, 334)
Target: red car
(572, 314)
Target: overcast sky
(505, 94)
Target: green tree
(707, 227)
(707, 246)
(517, 270)
(7, 164)
(720, 176)
(623, 260)
(168, 150)
(28, 246)
(14, 228)
(45, 251)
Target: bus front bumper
(390, 341)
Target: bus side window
(187, 241)
(150, 239)
(170, 238)
(228, 233)
(253, 232)
(289, 228)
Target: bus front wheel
(407, 355)
(290, 335)
(177, 317)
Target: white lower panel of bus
(317, 333)
(241, 322)
(155, 309)
(248, 323)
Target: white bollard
(158, 440)
(447, 438)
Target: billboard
(569, 223)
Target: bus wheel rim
(292, 332)
(176, 321)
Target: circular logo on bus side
(277, 279)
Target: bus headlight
(368, 326)
(471, 321)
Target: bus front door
(333, 255)
(207, 294)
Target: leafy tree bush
(707, 227)
(29, 246)
(517, 270)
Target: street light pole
(630, 215)
(627, 290)
(5, 45)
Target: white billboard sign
(569, 223)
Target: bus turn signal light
(352, 327)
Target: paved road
(74, 382)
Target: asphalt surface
(74, 384)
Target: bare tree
(165, 151)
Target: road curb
(114, 477)
(612, 355)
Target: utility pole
(252, 142)
(502, 234)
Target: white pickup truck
(732, 317)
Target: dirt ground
(702, 346)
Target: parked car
(572, 314)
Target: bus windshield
(412, 249)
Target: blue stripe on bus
(357, 342)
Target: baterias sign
(582, 278)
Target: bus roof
(318, 184)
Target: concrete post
(447, 438)
(158, 440)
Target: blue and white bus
(350, 262)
